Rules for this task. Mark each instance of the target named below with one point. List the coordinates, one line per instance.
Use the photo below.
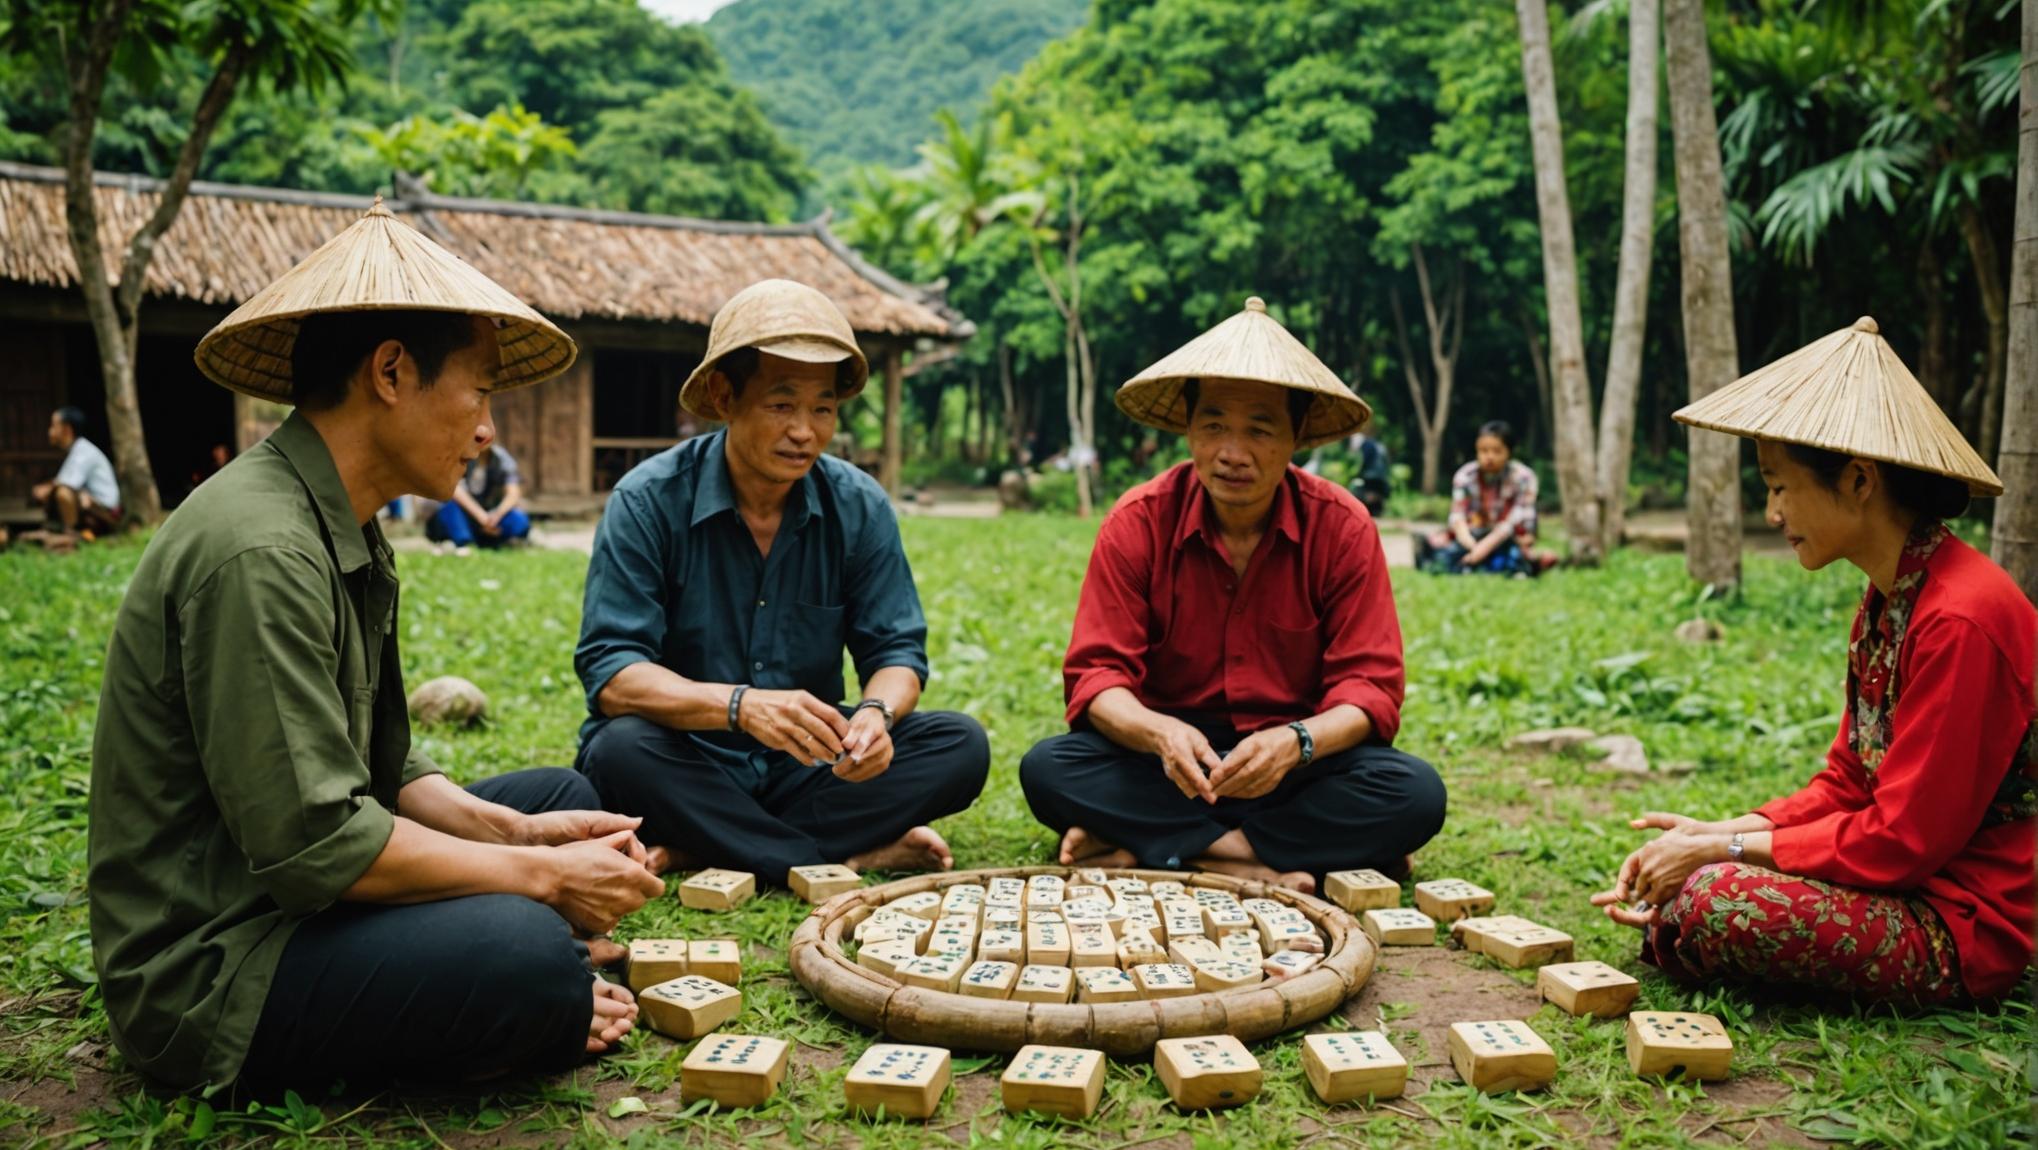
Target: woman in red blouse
(1903, 870)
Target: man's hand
(867, 749)
(1257, 764)
(596, 882)
(794, 722)
(558, 828)
(41, 492)
(1186, 755)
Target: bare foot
(1295, 880)
(665, 860)
(603, 952)
(1080, 847)
(917, 849)
(615, 1013)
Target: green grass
(1752, 715)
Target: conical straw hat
(784, 318)
(378, 264)
(1253, 346)
(1846, 392)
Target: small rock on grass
(1699, 631)
(447, 699)
(1551, 741)
(1624, 754)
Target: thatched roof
(570, 263)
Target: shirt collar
(714, 493)
(305, 450)
(1198, 520)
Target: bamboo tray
(1119, 1029)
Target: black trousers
(798, 815)
(436, 992)
(1368, 806)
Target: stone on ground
(1551, 741)
(447, 699)
(1624, 754)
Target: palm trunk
(892, 457)
(1988, 277)
(1573, 411)
(1711, 356)
(1631, 288)
(1935, 368)
(2016, 523)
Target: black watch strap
(883, 707)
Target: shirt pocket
(810, 642)
(1297, 661)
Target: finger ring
(1643, 907)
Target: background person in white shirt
(84, 496)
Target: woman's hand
(1655, 871)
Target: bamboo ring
(1119, 1029)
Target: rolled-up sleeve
(622, 616)
(1362, 658)
(261, 674)
(886, 626)
(1109, 645)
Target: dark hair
(71, 417)
(1298, 402)
(739, 365)
(1928, 494)
(331, 345)
(1499, 429)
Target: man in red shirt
(1234, 682)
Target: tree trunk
(2016, 523)
(1631, 288)
(1573, 411)
(1015, 432)
(1540, 361)
(893, 456)
(1988, 277)
(1431, 418)
(1081, 388)
(1935, 368)
(1711, 356)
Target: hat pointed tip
(1255, 303)
(377, 209)
(1867, 324)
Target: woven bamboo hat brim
(786, 319)
(1846, 392)
(1253, 346)
(378, 264)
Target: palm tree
(1631, 289)
(1573, 407)
(2016, 523)
(1711, 355)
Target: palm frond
(1798, 213)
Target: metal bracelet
(736, 704)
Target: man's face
(783, 419)
(1240, 440)
(61, 434)
(429, 434)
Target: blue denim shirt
(676, 579)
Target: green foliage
(1486, 659)
(598, 104)
(855, 83)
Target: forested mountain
(854, 82)
(589, 102)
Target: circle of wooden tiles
(1121, 1029)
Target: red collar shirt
(1929, 787)
(1310, 626)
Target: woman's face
(1493, 454)
(1821, 522)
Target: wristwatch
(883, 707)
(1307, 740)
(1736, 847)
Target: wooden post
(894, 452)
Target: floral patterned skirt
(1734, 922)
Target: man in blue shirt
(84, 496)
(729, 574)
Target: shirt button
(1174, 861)
(760, 602)
(757, 666)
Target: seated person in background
(1375, 480)
(1492, 527)
(1902, 871)
(84, 498)
(728, 575)
(1234, 682)
(485, 507)
(283, 889)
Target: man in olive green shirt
(282, 888)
